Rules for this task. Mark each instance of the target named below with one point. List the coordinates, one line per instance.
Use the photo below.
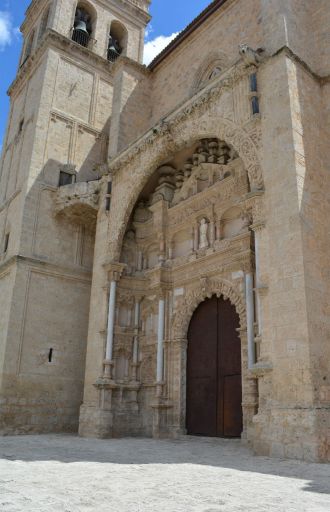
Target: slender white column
(250, 319)
(256, 248)
(160, 346)
(111, 321)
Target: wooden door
(214, 380)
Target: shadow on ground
(186, 450)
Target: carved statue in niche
(203, 234)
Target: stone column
(170, 250)
(192, 240)
(218, 230)
(196, 237)
(115, 274)
(257, 233)
(160, 344)
(136, 338)
(212, 233)
(140, 261)
(250, 319)
(249, 389)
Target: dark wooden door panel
(202, 370)
(229, 353)
(214, 383)
(201, 412)
(232, 398)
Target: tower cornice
(53, 39)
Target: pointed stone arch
(198, 295)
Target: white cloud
(148, 31)
(154, 47)
(7, 31)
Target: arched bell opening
(118, 38)
(214, 371)
(83, 26)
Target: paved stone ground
(68, 474)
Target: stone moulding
(193, 298)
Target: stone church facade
(164, 234)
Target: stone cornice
(124, 62)
(140, 8)
(53, 39)
(199, 102)
(82, 274)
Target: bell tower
(55, 144)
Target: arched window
(43, 24)
(29, 46)
(117, 41)
(83, 27)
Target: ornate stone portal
(188, 238)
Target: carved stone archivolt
(135, 169)
(205, 289)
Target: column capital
(114, 270)
(258, 226)
(138, 297)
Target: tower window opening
(66, 178)
(254, 94)
(117, 41)
(253, 82)
(255, 105)
(50, 355)
(82, 29)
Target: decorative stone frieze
(203, 290)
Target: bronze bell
(81, 25)
(114, 46)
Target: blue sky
(169, 17)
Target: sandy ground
(68, 474)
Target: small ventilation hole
(50, 355)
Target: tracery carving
(206, 289)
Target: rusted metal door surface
(214, 380)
